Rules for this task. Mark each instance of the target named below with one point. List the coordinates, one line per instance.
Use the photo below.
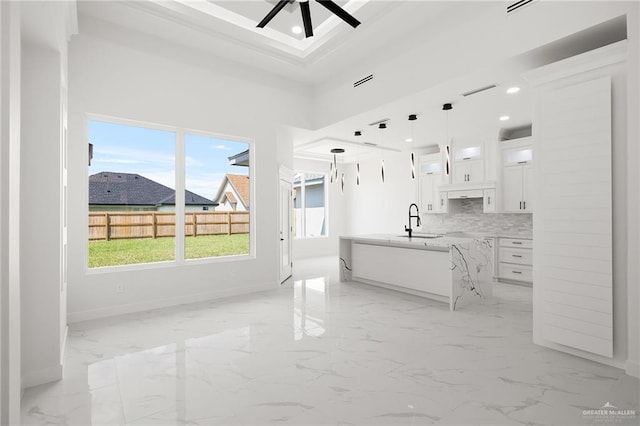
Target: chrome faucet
(417, 216)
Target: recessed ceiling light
(296, 29)
(504, 118)
(408, 140)
(512, 90)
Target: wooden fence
(124, 225)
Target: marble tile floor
(317, 352)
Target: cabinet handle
(489, 199)
(522, 162)
(520, 205)
(441, 202)
(517, 272)
(516, 242)
(524, 205)
(467, 158)
(515, 255)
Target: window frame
(326, 205)
(180, 183)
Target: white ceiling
(474, 118)
(227, 29)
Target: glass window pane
(131, 195)
(309, 205)
(217, 198)
(314, 205)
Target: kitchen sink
(423, 236)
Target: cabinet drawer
(514, 255)
(515, 272)
(516, 242)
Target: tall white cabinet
(572, 227)
(517, 176)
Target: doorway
(285, 211)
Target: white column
(10, 351)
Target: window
(135, 214)
(309, 205)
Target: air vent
(481, 89)
(518, 5)
(375, 123)
(363, 80)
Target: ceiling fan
(306, 14)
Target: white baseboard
(111, 311)
(633, 368)
(582, 354)
(40, 377)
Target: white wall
(10, 378)
(40, 215)
(115, 72)
(376, 207)
(304, 248)
(633, 190)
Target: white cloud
(192, 162)
(221, 147)
(118, 161)
(204, 184)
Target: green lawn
(127, 252)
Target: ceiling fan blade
(277, 8)
(340, 12)
(306, 18)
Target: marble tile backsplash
(467, 216)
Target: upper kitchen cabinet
(517, 175)
(468, 164)
(431, 199)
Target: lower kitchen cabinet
(515, 260)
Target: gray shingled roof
(111, 188)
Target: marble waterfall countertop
(470, 263)
(417, 241)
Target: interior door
(286, 208)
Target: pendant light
(334, 168)
(382, 126)
(412, 119)
(357, 133)
(447, 148)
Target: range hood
(456, 191)
(469, 193)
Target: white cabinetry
(517, 176)
(515, 260)
(431, 199)
(468, 164)
(489, 201)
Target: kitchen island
(454, 270)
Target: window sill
(167, 264)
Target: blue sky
(151, 153)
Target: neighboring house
(241, 159)
(314, 205)
(233, 193)
(111, 191)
